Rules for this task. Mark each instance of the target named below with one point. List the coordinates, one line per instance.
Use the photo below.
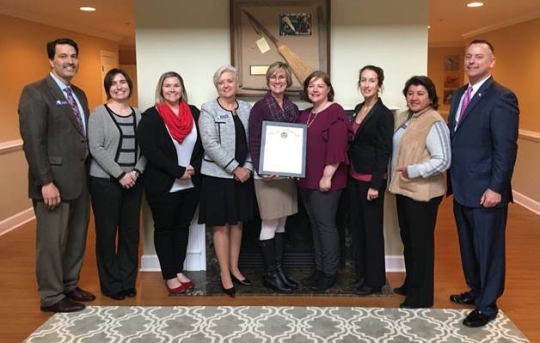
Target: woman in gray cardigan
(116, 195)
(227, 194)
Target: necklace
(310, 120)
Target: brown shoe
(79, 294)
(64, 305)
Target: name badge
(61, 102)
(223, 116)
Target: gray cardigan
(218, 137)
(103, 142)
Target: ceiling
(450, 20)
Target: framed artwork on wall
(262, 32)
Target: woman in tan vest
(421, 153)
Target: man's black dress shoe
(400, 290)
(312, 279)
(244, 282)
(477, 319)
(367, 290)
(79, 294)
(324, 282)
(130, 293)
(64, 305)
(356, 283)
(463, 298)
(117, 296)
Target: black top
(241, 146)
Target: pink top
(326, 144)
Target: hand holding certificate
(283, 149)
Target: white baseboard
(16, 220)
(527, 202)
(150, 263)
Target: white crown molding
(47, 21)
(503, 24)
(10, 146)
(530, 135)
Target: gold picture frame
(262, 32)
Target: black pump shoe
(244, 282)
(229, 291)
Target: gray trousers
(321, 208)
(60, 246)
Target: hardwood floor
(19, 303)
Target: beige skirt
(276, 198)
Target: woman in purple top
(276, 195)
(326, 175)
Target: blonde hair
(277, 66)
(159, 97)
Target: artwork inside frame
(262, 32)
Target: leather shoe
(356, 283)
(64, 305)
(177, 290)
(188, 285)
(476, 319)
(367, 290)
(117, 296)
(79, 294)
(244, 282)
(400, 290)
(130, 293)
(464, 298)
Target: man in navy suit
(52, 117)
(483, 121)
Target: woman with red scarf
(170, 140)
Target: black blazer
(157, 146)
(371, 146)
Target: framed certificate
(283, 149)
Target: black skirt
(226, 201)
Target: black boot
(312, 279)
(280, 248)
(324, 282)
(271, 277)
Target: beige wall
(438, 73)
(24, 60)
(517, 49)
(361, 33)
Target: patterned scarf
(288, 114)
(179, 125)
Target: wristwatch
(136, 173)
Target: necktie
(465, 103)
(74, 107)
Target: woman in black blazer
(369, 153)
(170, 140)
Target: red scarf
(179, 125)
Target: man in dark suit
(483, 121)
(52, 118)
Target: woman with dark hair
(116, 195)
(326, 175)
(170, 139)
(276, 195)
(421, 153)
(228, 197)
(369, 152)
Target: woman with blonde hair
(170, 140)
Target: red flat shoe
(177, 290)
(188, 285)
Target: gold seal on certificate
(283, 149)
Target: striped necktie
(465, 103)
(74, 107)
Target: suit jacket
(371, 146)
(156, 144)
(54, 145)
(484, 144)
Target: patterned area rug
(252, 324)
